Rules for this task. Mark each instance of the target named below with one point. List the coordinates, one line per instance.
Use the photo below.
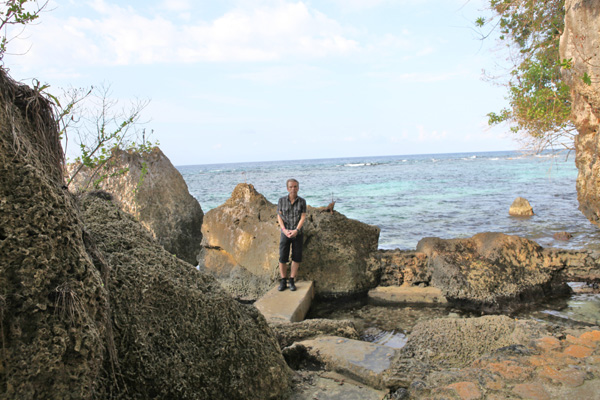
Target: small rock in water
(520, 208)
(562, 236)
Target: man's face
(292, 188)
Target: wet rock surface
(492, 271)
(287, 334)
(562, 366)
(520, 208)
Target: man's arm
(300, 223)
(281, 224)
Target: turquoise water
(416, 196)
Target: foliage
(17, 14)
(540, 102)
(99, 125)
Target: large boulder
(53, 304)
(493, 271)
(146, 185)
(177, 333)
(580, 43)
(92, 307)
(241, 239)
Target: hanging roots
(68, 303)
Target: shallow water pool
(390, 325)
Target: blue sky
(258, 80)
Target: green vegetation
(17, 14)
(90, 117)
(539, 101)
(99, 125)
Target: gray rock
(154, 192)
(92, 307)
(365, 362)
(493, 271)
(53, 304)
(310, 328)
(564, 236)
(456, 342)
(177, 333)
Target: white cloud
(118, 35)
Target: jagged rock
(492, 271)
(579, 42)
(244, 233)
(53, 305)
(177, 333)
(96, 308)
(399, 267)
(520, 208)
(148, 186)
(456, 342)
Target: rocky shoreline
(92, 306)
(97, 308)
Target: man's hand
(290, 233)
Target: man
(291, 214)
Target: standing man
(291, 213)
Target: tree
(99, 124)
(540, 102)
(17, 14)
(95, 121)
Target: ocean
(415, 196)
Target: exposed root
(68, 303)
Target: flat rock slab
(333, 386)
(407, 295)
(363, 361)
(287, 306)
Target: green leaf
(586, 79)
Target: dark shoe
(282, 284)
(292, 285)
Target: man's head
(292, 187)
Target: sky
(262, 80)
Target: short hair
(287, 183)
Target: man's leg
(295, 266)
(296, 259)
(283, 269)
(284, 253)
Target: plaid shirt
(291, 213)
